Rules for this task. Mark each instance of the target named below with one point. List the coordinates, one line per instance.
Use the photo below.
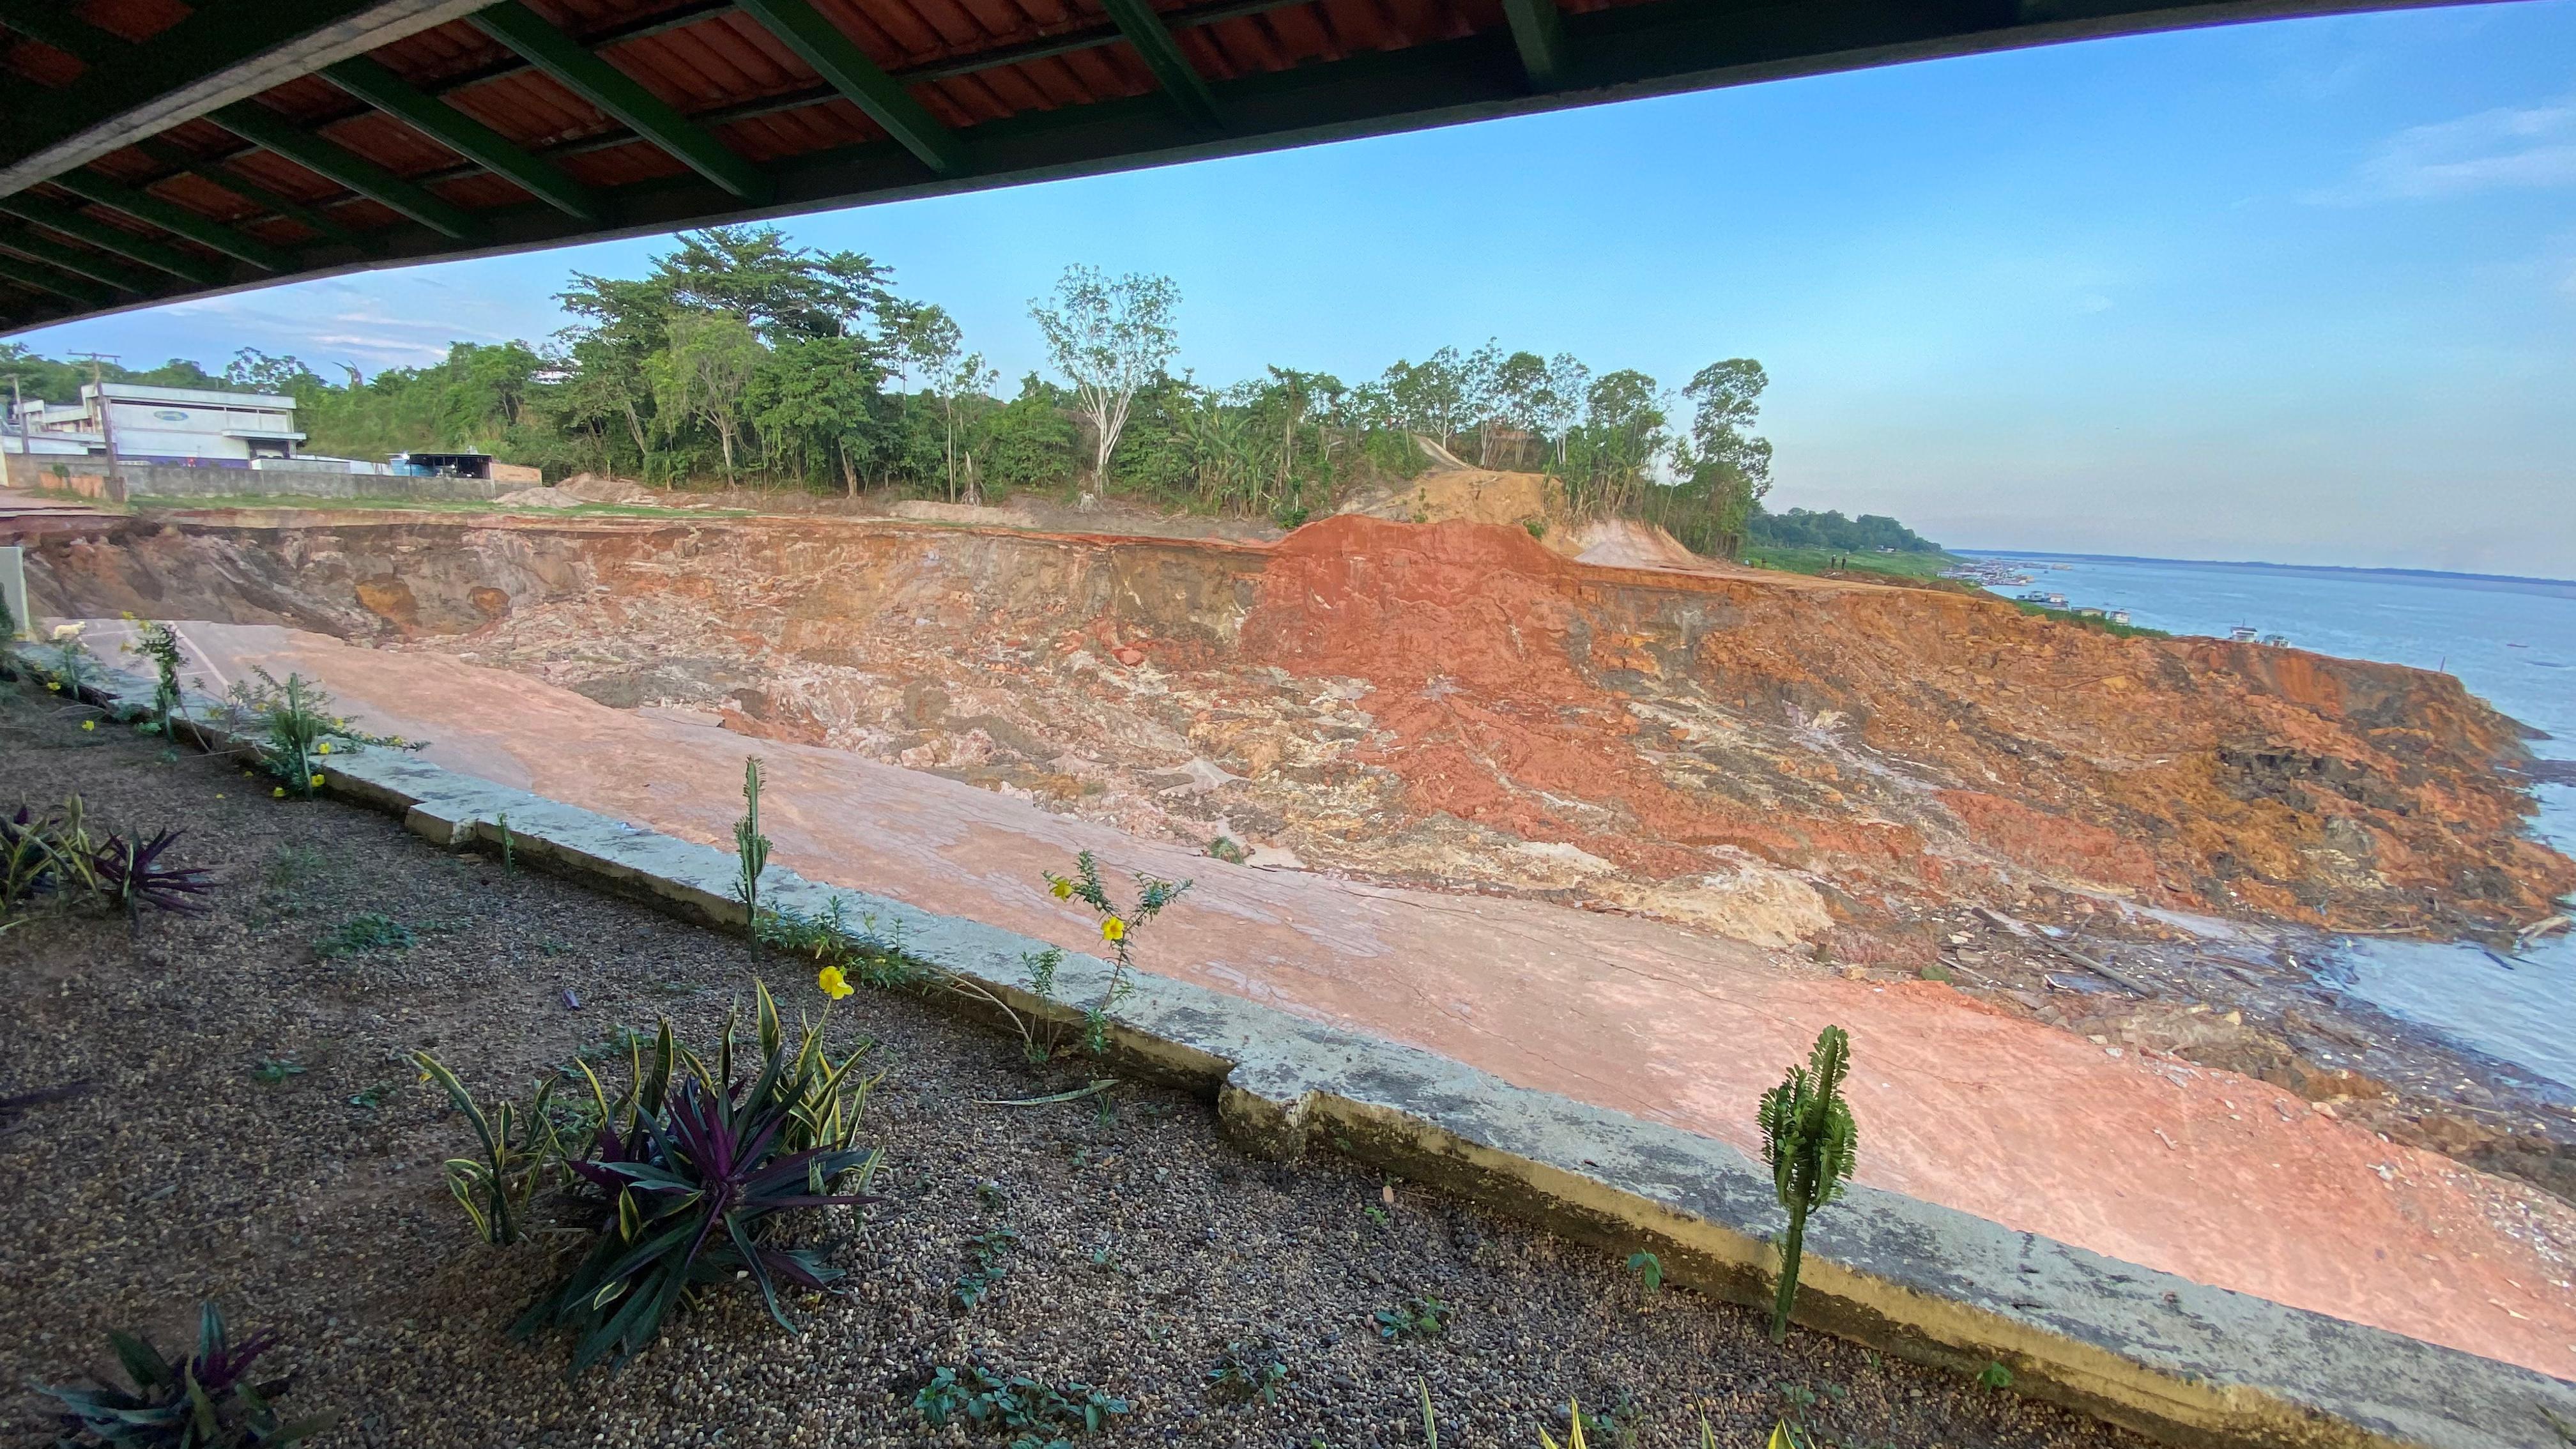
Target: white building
(160, 425)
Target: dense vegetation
(1869, 533)
(739, 358)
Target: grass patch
(427, 505)
(1821, 560)
(365, 933)
(2082, 621)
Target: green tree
(1728, 466)
(1109, 339)
(816, 401)
(702, 374)
(1029, 441)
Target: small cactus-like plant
(750, 846)
(1811, 1146)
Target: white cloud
(2509, 146)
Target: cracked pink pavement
(2207, 1174)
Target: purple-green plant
(131, 875)
(205, 1401)
(692, 1171)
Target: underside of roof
(153, 150)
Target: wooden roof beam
(1153, 40)
(254, 122)
(464, 135)
(1538, 29)
(176, 219)
(80, 263)
(621, 95)
(834, 57)
(116, 239)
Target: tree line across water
(739, 358)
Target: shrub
(1118, 927)
(295, 728)
(978, 1397)
(205, 1401)
(521, 1155)
(55, 856)
(693, 1170)
(158, 644)
(1811, 1147)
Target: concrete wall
(162, 480)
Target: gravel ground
(1146, 1244)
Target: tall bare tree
(1109, 339)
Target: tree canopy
(741, 358)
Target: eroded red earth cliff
(1777, 757)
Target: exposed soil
(1147, 1244)
(1836, 766)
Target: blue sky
(2302, 291)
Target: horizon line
(2263, 564)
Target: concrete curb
(2176, 1360)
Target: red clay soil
(2142, 1156)
(2184, 773)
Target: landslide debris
(1779, 758)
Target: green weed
(1118, 928)
(1649, 1270)
(988, 1250)
(272, 1070)
(364, 934)
(1413, 1318)
(1242, 1374)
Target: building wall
(162, 480)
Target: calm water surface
(2512, 642)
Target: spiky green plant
(1811, 1146)
(522, 1154)
(751, 848)
(207, 1400)
(158, 644)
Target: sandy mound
(1624, 543)
(1471, 495)
(541, 498)
(927, 511)
(594, 488)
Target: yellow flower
(1113, 929)
(89, 724)
(323, 748)
(834, 984)
(52, 685)
(279, 793)
(1062, 890)
(316, 782)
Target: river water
(2511, 641)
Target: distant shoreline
(2441, 575)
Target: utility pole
(17, 409)
(106, 428)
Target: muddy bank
(1769, 756)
